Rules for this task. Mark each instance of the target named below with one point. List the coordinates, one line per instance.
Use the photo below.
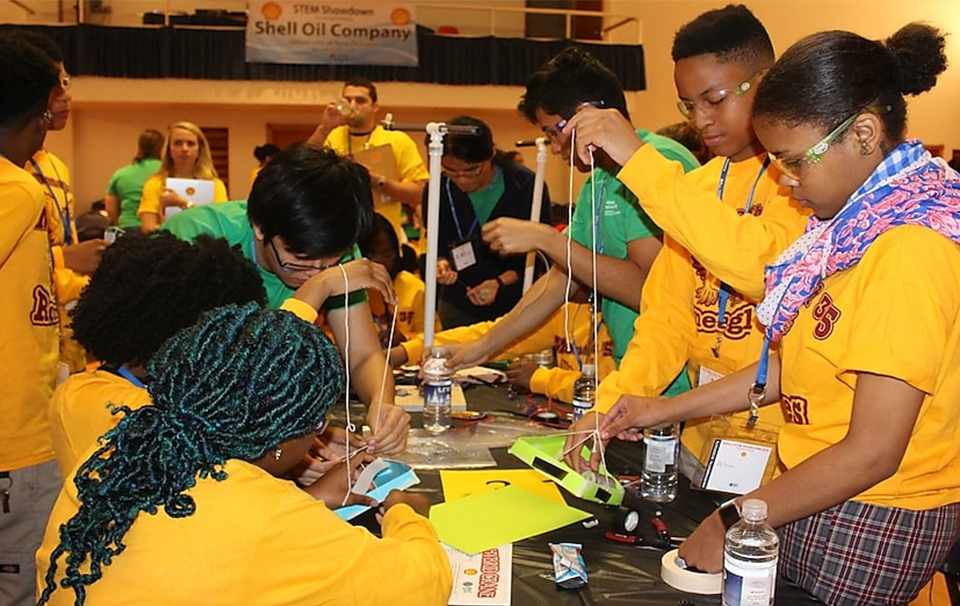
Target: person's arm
(885, 411)
(112, 204)
(536, 305)
(389, 423)
(733, 247)
(618, 279)
(406, 192)
(663, 335)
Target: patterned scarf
(908, 188)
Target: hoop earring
(278, 453)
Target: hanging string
(566, 292)
(350, 427)
(386, 369)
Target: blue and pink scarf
(908, 188)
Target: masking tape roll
(686, 580)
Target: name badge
(463, 256)
(707, 376)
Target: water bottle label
(660, 455)
(437, 394)
(580, 407)
(748, 583)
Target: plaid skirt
(855, 553)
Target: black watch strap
(729, 514)
(499, 281)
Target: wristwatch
(729, 513)
(499, 281)
(381, 182)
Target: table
(617, 573)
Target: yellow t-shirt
(153, 189)
(255, 539)
(410, 167)
(679, 306)
(896, 313)
(732, 247)
(29, 346)
(80, 412)
(54, 177)
(554, 382)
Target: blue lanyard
(126, 374)
(576, 350)
(456, 219)
(64, 211)
(725, 288)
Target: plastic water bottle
(658, 481)
(750, 554)
(437, 384)
(584, 391)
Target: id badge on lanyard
(737, 457)
(463, 255)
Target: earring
(278, 453)
(865, 149)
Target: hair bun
(918, 50)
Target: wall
(108, 114)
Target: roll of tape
(680, 578)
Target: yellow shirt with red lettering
(680, 305)
(54, 177)
(896, 313)
(29, 346)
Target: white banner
(335, 32)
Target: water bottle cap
(438, 352)
(589, 370)
(753, 509)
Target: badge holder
(739, 456)
(543, 453)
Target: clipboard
(198, 191)
(379, 159)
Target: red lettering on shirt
(795, 409)
(44, 311)
(737, 321)
(826, 314)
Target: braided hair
(239, 382)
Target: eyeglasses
(468, 173)
(711, 100)
(289, 266)
(794, 167)
(553, 133)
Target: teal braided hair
(239, 382)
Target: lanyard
(350, 137)
(63, 211)
(126, 374)
(724, 288)
(456, 219)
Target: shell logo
(470, 571)
(400, 16)
(271, 11)
(191, 191)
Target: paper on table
(484, 578)
(488, 519)
(459, 484)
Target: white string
(566, 292)
(350, 427)
(386, 367)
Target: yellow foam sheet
(488, 519)
(458, 484)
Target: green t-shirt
(620, 220)
(228, 220)
(484, 201)
(127, 185)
